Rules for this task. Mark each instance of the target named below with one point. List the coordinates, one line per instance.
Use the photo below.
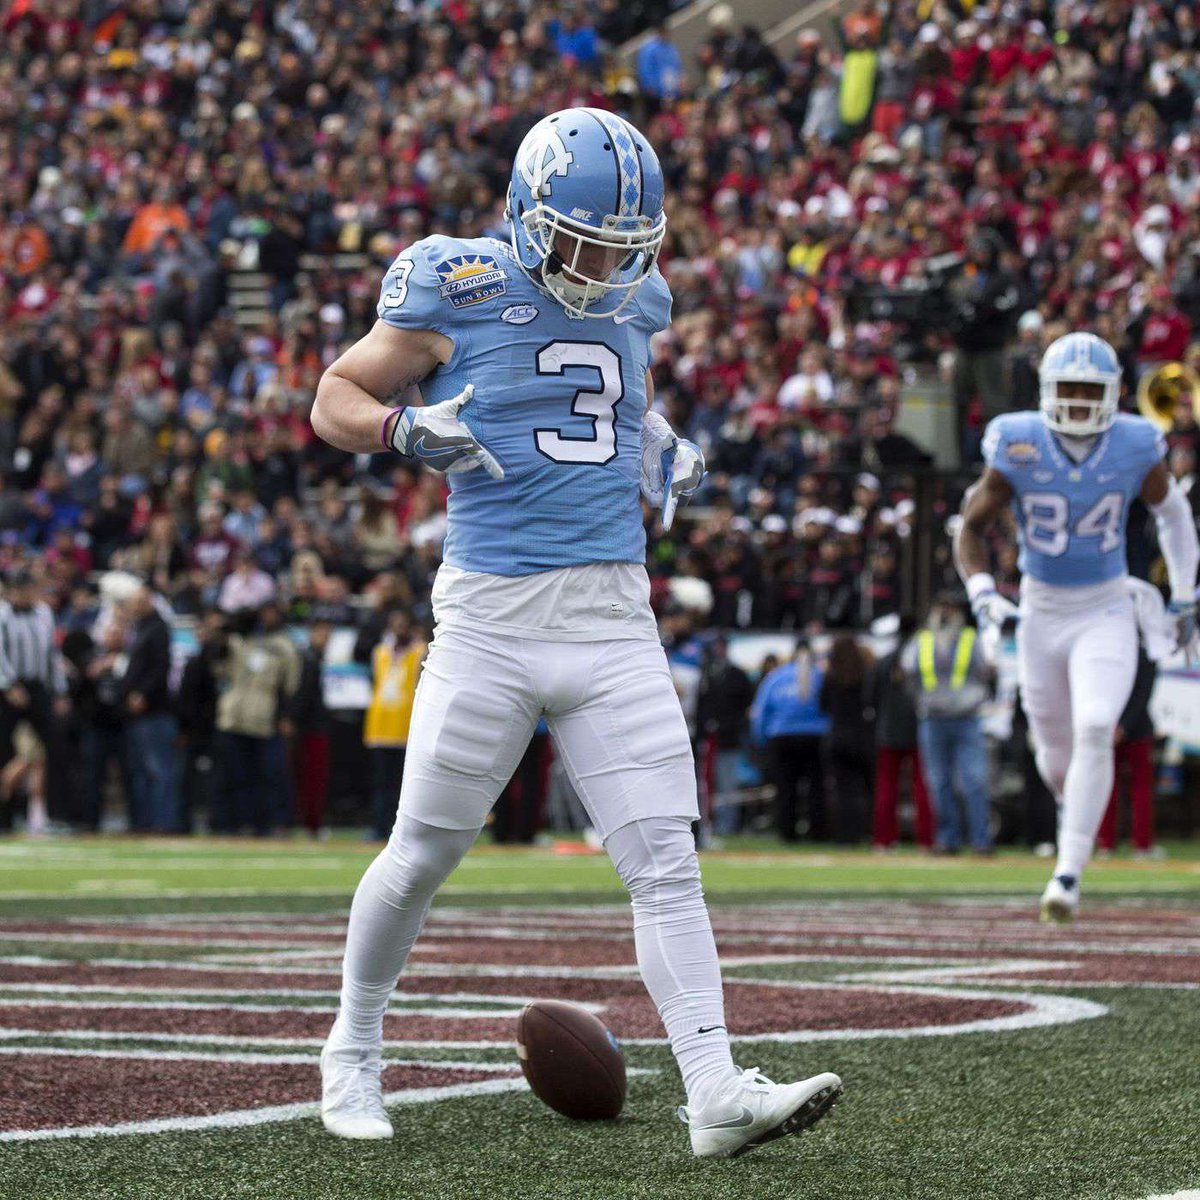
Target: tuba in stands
(1159, 392)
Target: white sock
(387, 914)
(676, 951)
(1085, 797)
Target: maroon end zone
(469, 987)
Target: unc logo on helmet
(585, 205)
(541, 157)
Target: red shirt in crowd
(1165, 336)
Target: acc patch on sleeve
(470, 279)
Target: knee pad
(418, 857)
(1052, 764)
(1092, 734)
(656, 860)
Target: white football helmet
(1079, 358)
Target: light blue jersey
(558, 401)
(1072, 515)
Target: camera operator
(986, 300)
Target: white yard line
(244, 1057)
(260, 1116)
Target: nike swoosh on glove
(1182, 615)
(438, 437)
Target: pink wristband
(383, 432)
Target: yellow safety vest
(962, 659)
(393, 685)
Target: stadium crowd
(931, 196)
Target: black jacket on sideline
(149, 664)
(848, 706)
(726, 694)
(307, 706)
(895, 715)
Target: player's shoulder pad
(1140, 438)
(653, 302)
(1013, 440)
(430, 281)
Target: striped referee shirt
(27, 650)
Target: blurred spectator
(247, 587)
(33, 683)
(196, 713)
(986, 310)
(950, 681)
(896, 745)
(787, 723)
(1134, 757)
(395, 669)
(726, 694)
(101, 709)
(845, 697)
(310, 725)
(151, 728)
(262, 674)
(659, 67)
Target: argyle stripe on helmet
(629, 170)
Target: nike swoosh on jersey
(620, 320)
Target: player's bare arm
(982, 505)
(351, 410)
(354, 393)
(984, 502)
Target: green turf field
(123, 867)
(984, 1055)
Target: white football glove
(437, 436)
(995, 609)
(992, 612)
(672, 469)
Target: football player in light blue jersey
(1069, 474)
(533, 360)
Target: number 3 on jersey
(1047, 515)
(599, 405)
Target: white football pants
(611, 707)
(1077, 670)
(613, 712)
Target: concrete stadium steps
(780, 21)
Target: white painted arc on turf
(53, 989)
(465, 1014)
(259, 1116)
(1040, 1010)
(247, 1058)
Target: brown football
(572, 1062)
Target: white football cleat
(351, 1094)
(753, 1110)
(1060, 900)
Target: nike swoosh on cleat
(747, 1118)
